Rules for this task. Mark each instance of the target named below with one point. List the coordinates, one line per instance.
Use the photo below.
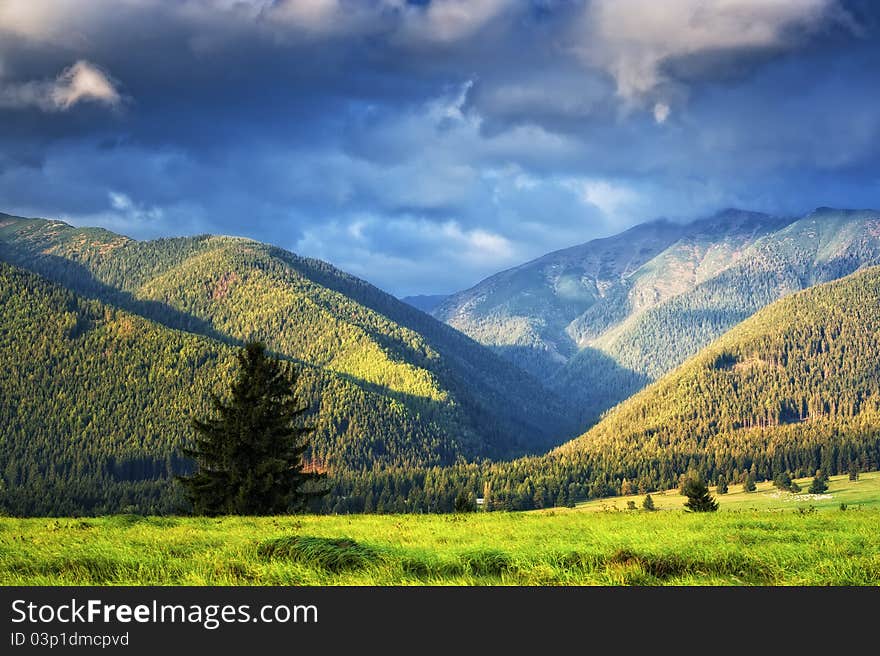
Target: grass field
(758, 539)
(863, 493)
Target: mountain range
(795, 387)
(114, 344)
(599, 321)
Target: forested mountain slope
(823, 246)
(396, 387)
(693, 283)
(796, 387)
(96, 403)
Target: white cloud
(318, 15)
(441, 21)
(77, 22)
(134, 219)
(611, 198)
(477, 244)
(445, 21)
(81, 82)
(661, 112)
(392, 252)
(632, 40)
(329, 17)
(445, 108)
(127, 211)
(34, 20)
(119, 201)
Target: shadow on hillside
(596, 382)
(78, 279)
(482, 432)
(545, 416)
(537, 362)
(591, 382)
(488, 426)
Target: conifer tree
(250, 455)
(464, 502)
(782, 481)
(648, 503)
(699, 499)
(819, 484)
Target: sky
(424, 145)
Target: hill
(96, 404)
(600, 321)
(394, 387)
(793, 388)
(236, 289)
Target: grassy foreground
(778, 543)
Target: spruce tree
(465, 502)
(697, 492)
(749, 484)
(648, 503)
(782, 481)
(721, 484)
(819, 483)
(250, 455)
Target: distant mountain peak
(629, 307)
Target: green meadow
(759, 538)
(861, 494)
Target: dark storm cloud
(425, 145)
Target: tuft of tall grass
(487, 562)
(331, 554)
